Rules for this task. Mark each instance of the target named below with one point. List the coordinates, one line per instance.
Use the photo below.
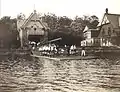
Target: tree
(67, 28)
(94, 21)
(50, 19)
(12, 33)
(64, 21)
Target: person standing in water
(83, 51)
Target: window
(109, 31)
(103, 31)
(113, 31)
(118, 33)
(35, 29)
(43, 29)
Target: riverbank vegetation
(70, 30)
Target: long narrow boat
(63, 57)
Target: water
(44, 75)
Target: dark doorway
(35, 38)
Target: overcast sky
(69, 8)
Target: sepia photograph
(59, 45)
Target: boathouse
(32, 29)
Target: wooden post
(21, 37)
(101, 41)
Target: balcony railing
(36, 32)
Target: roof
(111, 18)
(34, 17)
(114, 19)
(88, 28)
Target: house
(32, 29)
(109, 29)
(90, 37)
(106, 34)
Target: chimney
(106, 10)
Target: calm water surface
(44, 75)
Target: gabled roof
(34, 17)
(114, 19)
(85, 29)
(110, 18)
(88, 28)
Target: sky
(69, 8)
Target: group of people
(52, 49)
(48, 49)
(71, 49)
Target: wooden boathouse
(31, 29)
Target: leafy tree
(12, 33)
(66, 26)
(50, 19)
(94, 21)
(64, 21)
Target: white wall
(87, 34)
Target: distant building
(106, 34)
(32, 29)
(90, 37)
(109, 29)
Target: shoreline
(91, 53)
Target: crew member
(83, 51)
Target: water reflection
(43, 75)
